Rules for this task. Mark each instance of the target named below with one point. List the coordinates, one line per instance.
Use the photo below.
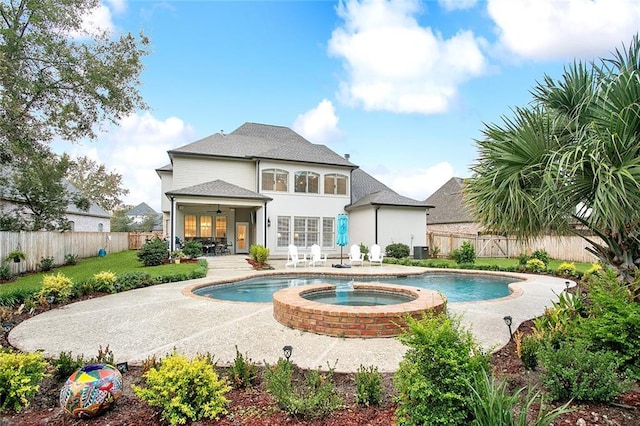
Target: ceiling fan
(217, 211)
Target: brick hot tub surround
(291, 309)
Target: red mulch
(255, 407)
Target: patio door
(242, 237)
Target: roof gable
(367, 190)
(448, 202)
(219, 189)
(141, 210)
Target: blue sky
(403, 86)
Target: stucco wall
(84, 223)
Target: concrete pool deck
(140, 323)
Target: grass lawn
(506, 263)
(124, 261)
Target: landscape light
(508, 320)
(287, 351)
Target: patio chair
(355, 255)
(293, 258)
(375, 255)
(317, 256)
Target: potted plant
(16, 256)
(176, 255)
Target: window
(307, 182)
(100, 227)
(221, 227)
(284, 228)
(205, 226)
(275, 180)
(306, 231)
(328, 232)
(189, 226)
(335, 184)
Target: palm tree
(572, 156)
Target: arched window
(336, 184)
(275, 180)
(307, 182)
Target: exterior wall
(362, 227)
(402, 225)
(189, 171)
(166, 184)
(83, 223)
(454, 228)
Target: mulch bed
(256, 407)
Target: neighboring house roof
(367, 190)
(449, 204)
(219, 189)
(253, 141)
(141, 209)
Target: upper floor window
(335, 184)
(307, 182)
(100, 227)
(275, 180)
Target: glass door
(242, 237)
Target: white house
(265, 184)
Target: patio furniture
(355, 256)
(293, 258)
(317, 256)
(375, 255)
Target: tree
(59, 79)
(147, 223)
(39, 196)
(571, 157)
(96, 183)
(120, 222)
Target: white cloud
(416, 183)
(547, 29)
(118, 6)
(320, 124)
(135, 149)
(394, 64)
(457, 4)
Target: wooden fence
(571, 248)
(37, 245)
(137, 239)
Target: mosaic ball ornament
(91, 390)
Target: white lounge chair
(293, 258)
(355, 256)
(375, 255)
(317, 256)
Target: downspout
(265, 219)
(172, 222)
(376, 226)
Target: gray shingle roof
(141, 210)
(367, 190)
(262, 141)
(219, 189)
(449, 204)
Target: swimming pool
(456, 287)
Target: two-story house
(264, 184)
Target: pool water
(348, 297)
(456, 287)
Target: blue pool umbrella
(342, 237)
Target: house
(267, 185)
(142, 211)
(95, 219)
(450, 214)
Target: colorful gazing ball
(91, 390)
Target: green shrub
(104, 281)
(58, 286)
(369, 388)
(595, 269)
(242, 372)
(135, 279)
(566, 269)
(397, 250)
(185, 390)
(259, 253)
(574, 370)
(535, 265)
(432, 379)
(542, 256)
(65, 365)
(83, 287)
(46, 264)
(20, 378)
(315, 398)
(522, 259)
(153, 253)
(365, 251)
(105, 356)
(529, 352)
(5, 273)
(466, 254)
(71, 259)
(492, 404)
(192, 248)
